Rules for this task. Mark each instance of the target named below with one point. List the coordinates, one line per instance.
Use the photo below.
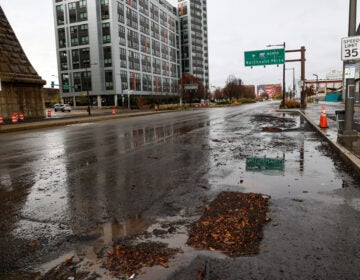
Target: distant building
(332, 82)
(20, 85)
(109, 49)
(269, 90)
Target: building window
(123, 57)
(146, 63)
(133, 39)
(144, 6)
(106, 32)
(105, 9)
(131, 18)
(134, 60)
(82, 3)
(107, 57)
(154, 12)
(83, 27)
(122, 35)
(135, 83)
(61, 37)
(72, 6)
(75, 59)
(84, 40)
(74, 42)
(132, 3)
(86, 82)
(83, 16)
(121, 13)
(106, 39)
(60, 15)
(124, 80)
(109, 80)
(147, 83)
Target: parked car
(62, 107)
(66, 108)
(58, 107)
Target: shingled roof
(14, 65)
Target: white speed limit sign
(350, 48)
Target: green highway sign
(264, 57)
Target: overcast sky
(233, 26)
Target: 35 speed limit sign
(350, 48)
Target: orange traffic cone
(323, 120)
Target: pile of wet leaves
(232, 223)
(127, 258)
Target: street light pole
(317, 82)
(87, 86)
(284, 89)
(284, 67)
(87, 90)
(293, 70)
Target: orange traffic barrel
(14, 118)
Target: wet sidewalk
(312, 115)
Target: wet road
(77, 187)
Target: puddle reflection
(247, 161)
(114, 231)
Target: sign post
(350, 53)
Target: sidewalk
(312, 115)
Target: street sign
(350, 48)
(350, 71)
(264, 57)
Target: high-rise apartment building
(110, 48)
(194, 39)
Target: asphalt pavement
(311, 114)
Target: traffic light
(52, 84)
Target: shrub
(292, 104)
